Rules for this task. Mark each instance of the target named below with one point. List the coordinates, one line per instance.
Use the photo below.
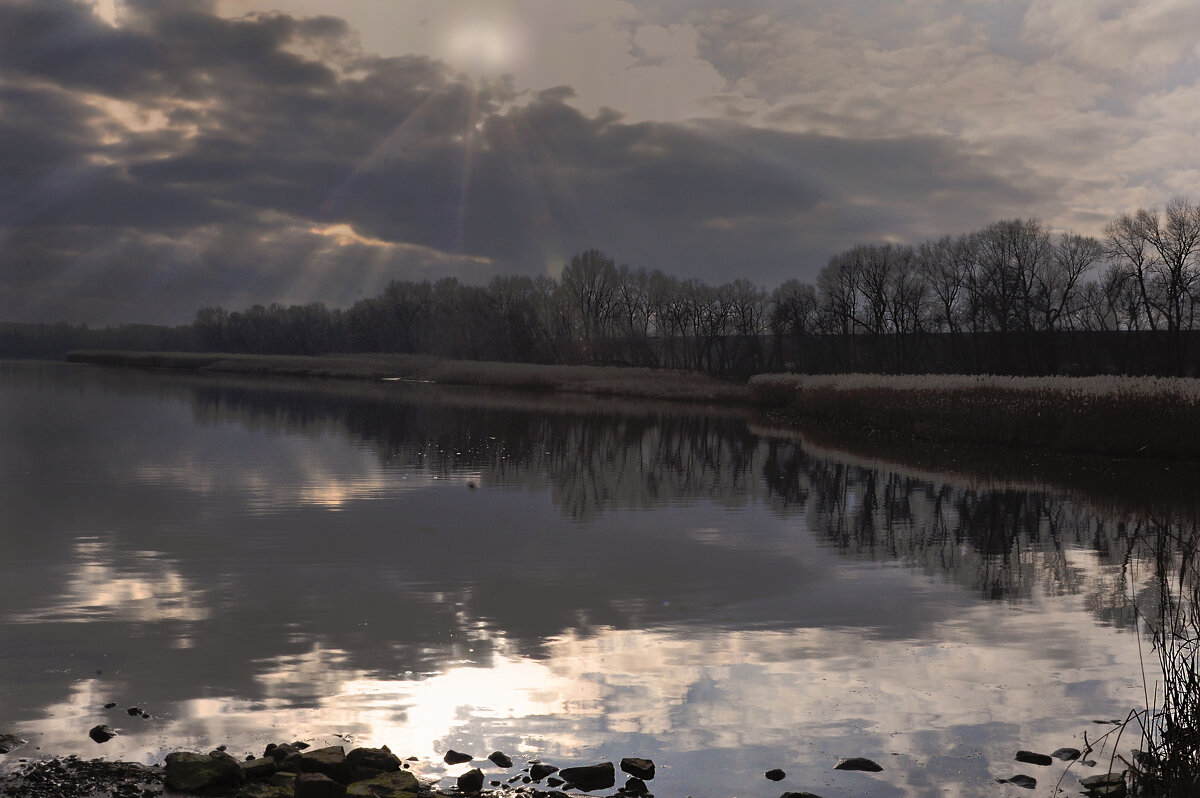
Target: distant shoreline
(1123, 417)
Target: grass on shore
(1108, 416)
(596, 380)
(1136, 417)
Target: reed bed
(1112, 416)
(594, 380)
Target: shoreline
(1133, 418)
(299, 770)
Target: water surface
(577, 580)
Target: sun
(483, 46)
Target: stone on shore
(775, 774)
(1111, 785)
(634, 786)
(453, 757)
(330, 761)
(590, 777)
(189, 772)
(366, 763)
(471, 781)
(318, 785)
(1019, 780)
(1032, 758)
(858, 763)
(10, 742)
(102, 733)
(1066, 754)
(398, 784)
(261, 768)
(539, 771)
(636, 766)
(799, 795)
(500, 759)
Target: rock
(280, 785)
(471, 781)
(1031, 758)
(102, 733)
(495, 782)
(775, 775)
(453, 757)
(638, 767)
(538, 771)
(799, 795)
(397, 784)
(331, 761)
(590, 777)
(635, 786)
(10, 742)
(145, 716)
(1106, 784)
(279, 752)
(500, 759)
(858, 763)
(1067, 754)
(134, 711)
(1020, 780)
(188, 772)
(366, 763)
(318, 785)
(110, 705)
(555, 781)
(262, 768)
(300, 745)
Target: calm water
(253, 561)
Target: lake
(571, 579)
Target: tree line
(1012, 297)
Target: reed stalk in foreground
(1169, 762)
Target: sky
(159, 156)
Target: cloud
(181, 158)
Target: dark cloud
(182, 159)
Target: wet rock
(1032, 758)
(261, 768)
(495, 782)
(539, 771)
(858, 763)
(500, 759)
(1111, 785)
(397, 784)
(635, 786)
(110, 705)
(10, 742)
(590, 777)
(318, 785)
(1020, 780)
(330, 761)
(638, 767)
(281, 785)
(134, 711)
(799, 795)
(188, 772)
(1066, 754)
(102, 733)
(279, 752)
(453, 757)
(300, 745)
(555, 781)
(775, 774)
(471, 781)
(145, 716)
(366, 763)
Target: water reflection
(574, 579)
